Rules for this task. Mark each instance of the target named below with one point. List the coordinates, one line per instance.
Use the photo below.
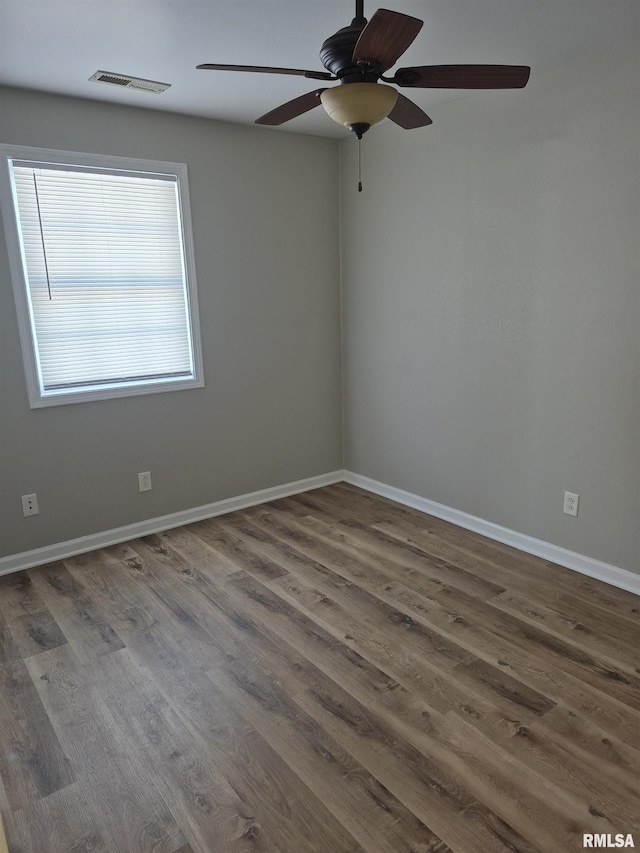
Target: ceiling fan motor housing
(336, 54)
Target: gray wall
(264, 208)
(491, 284)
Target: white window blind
(104, 267)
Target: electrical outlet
(30, 505)
(571, 503)
(144, 481)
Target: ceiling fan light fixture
(358, 106)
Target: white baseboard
(621, 578)
(613, 575)
(62, 550)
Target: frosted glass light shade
(359, 103)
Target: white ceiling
(56, 45)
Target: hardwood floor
(331, 673)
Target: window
(103, 274)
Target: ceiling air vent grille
(129, 82)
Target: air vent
(129, 82)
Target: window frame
(38, 396)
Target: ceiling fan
(358, 56)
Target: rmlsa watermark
(606, 840)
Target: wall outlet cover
(144, 481)
(30, 505)
(571, 502)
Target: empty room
(319, 426)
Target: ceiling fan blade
(385, 38)
(292, 109)
(264, 69)
(463, 76)
(408, 115)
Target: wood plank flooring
(330, 673)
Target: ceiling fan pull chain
(359, 165)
